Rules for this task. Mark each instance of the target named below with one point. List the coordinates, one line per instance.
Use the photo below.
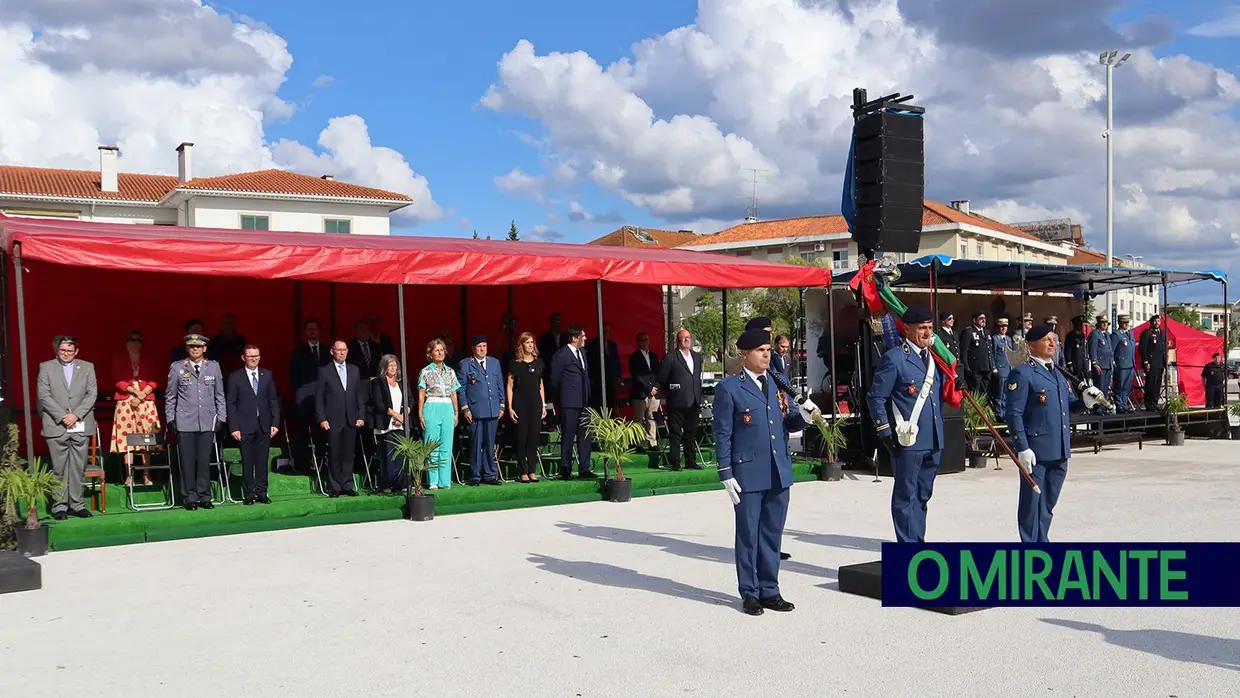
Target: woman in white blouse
(390, 410)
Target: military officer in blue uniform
(905, 399)
(482, 403)
(1101, 356)
(194, 407)
(1124, 347)
(777, 366)
(1039, 403)
(756, 468)
(1000, 343)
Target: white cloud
(74, 79)
(542, 233)
(323, 80)
(521, 184)
(578, 214)
(767, 84)
(1227, 26)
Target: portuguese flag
(888, 309)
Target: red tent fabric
(381, 259)
(1193, 349)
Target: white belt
(439, 399)
(906, 431)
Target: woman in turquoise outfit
(438, 411)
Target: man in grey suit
(67, 392)
(195, 407)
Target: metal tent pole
(27, 406)
(668, 338)
(723, 342)
(831, 380)
(602, 346)
(1167, 331)
(404, 352)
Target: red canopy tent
(99, 280)
(1192, 351)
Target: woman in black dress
(527, 404)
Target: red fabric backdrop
(99, 307)
(1193, 349)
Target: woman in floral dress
(136, 412)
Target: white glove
(808, 409)
(733, 489)
(1094, 392)
(1027, 460)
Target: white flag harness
(906, 431)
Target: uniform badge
(747, 418)
(473, 381)
(1011, 386)
(912, 389)
(1042, 397)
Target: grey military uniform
(195, 398)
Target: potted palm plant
(31, 486)
(975, 427)
(417, 455)
(833, 441)
(1176, 406)
(616, 438)
(8, 459)
(1233, 422)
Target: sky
(574, 118)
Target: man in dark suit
(680, 374)
(386, 346)
(612, 371)
(570, 381)
(303, 370)
(643, 366)
(364, 351)
(549, 342)
(340, 407)
(253, 413)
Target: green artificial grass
(295, 504)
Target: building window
(337, 225)
(964, 250)
(981, 251)
(252, 222)
(839, 259)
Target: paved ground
(627, 600)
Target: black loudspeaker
(952, 458)
(889, 181)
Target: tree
(1186, 316)
(706, 322)
(1088, 310)
(475, 234)
(512, 231)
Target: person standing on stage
(1076, 350)
(1214, 378)
(680, 375)
(194, 406)
(643, 366)
(1026, 323)
(67, 391)
(1124, 347)
(979, 365)
(438, 399)
(905, 399)
(253, 412)
(947, 333)
(1000, 344)
(748, 420)
(340, 406)
(1153, 348)
(482, 403)
(1038, 404)
(1101, 354)
(527, 404)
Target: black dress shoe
(473, 484)
(264, 499)
(752, 606)
(206, 505)
(492, 482)
(333, 495)
(60, 516)
(349, 493)
(81, 514)
(191, 506)
(693, 467)
(588, 475)
(776, 603)
(249, 501)
(785, 556)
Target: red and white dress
(128, 419)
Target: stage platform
(295, 505)
(1142, 426)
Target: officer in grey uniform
(194, 408)
(1026, 324)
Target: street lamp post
(1107, 59)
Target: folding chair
(221, 473)
(168, 490)
(548, 448)
(317, 462)
(95, 474)
(365, 437)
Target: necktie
(925, 358)
(314, 349)
(196, 371)
(344, 381)
(254, 381)
(762, 382)
(366, 352)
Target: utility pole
(753, 199)
(1107, 59)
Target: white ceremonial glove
(808, 409)
(1094, 392)
(1027, 460)
(733, 489)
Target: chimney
(107, 168)
(185, 162)
(751, 219)
(328, 178)
(961, 206)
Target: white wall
(291, 216)
(98, 213)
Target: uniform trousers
(1034, 511)
(760, 521)
(682, 425)
(482, 465)
(194, 450)
(1123, 388)
(255, 451)
(977, 381)
(341, 444)
(393, 473)
(68, 454)
(913, 472)
(1153, 386)
(440, 418)
(1214, 395)
(1104, 380)
(528, 432)
(998, 395)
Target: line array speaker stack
(889, 178)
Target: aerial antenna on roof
(751, 211)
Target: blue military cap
(917, 314)
(944, 315)
(195, 340)
(978, 313)
(752, 339)
(1037, 332)
(758, 323)
(478, 339)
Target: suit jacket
(612, 354)
(194, 400)
(975, 353)
(644, 374)
(896, 385)
(339, 405)
(381, 402)
(683, 388)
(1037, 412)
(250, 412)
(549, 343)
(570, 382)
(1153, 346)
(1124, 347)
(1100, 350)
(56, 399)
(751, 434)
(368, 368)
(303, 369)
(482, 390)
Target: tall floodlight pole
(1108, 59)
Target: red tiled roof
(85, 184)
(82, 184)
(1083, 256)
(284, 182)
(662, 238)
(933, 214)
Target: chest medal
(1011, 386)
(1042, 397)
(747, 418)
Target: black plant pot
(977, 460)
(420, 507)
(32, 542)
(830, 471)
(1235, 433)
(1175, 437)
(619, 490)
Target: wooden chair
(96, 475)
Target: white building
(262, 200)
